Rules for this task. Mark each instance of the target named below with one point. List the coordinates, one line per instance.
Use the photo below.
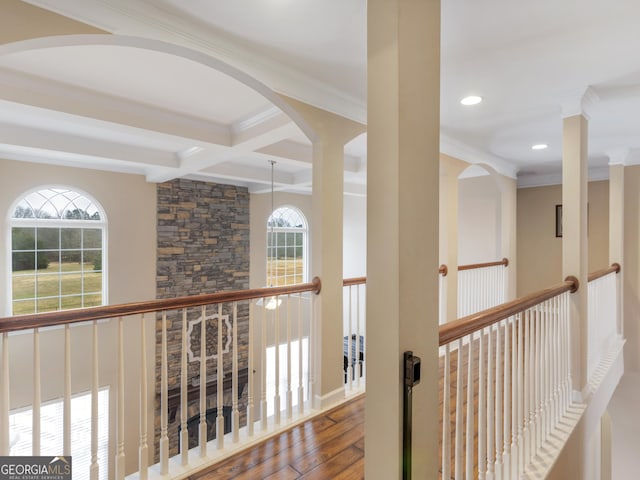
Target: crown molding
(579, 102)
(534, 180)
(460, 150)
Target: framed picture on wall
(558, 220)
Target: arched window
(57, 251)
(286, 247)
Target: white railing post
(263, 371)
(482, 410)
(459, 410)
(276, 397)
(289, 393)
(470, 417)
(250, 372)
(300, 363)
(164, 382)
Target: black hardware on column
(411, 378)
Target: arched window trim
(12, 222)
(304, 229)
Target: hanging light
(271, 303)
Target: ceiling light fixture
(471, 100)
(539, 146)
(271, 303)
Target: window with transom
(286, 247)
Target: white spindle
(263, 370)
(482, 409)
(250, 371)
(5, 397)
(522, 319)
(66, 414)
(202, 426)
(499, 406)
(234, 380)
(143, 457)
(538, 387)
(506, 422)
(300, 337)
(513, 449)
(446, 416)
(276, 398)
(490, 406)
(184, 432)
(37, 398)
(470, 417)
(358, 371)
(164, 382)
(94, 470)
(531, 395)
(459, 411)
(220, 386)
(120, 456)
(348, 353)
(289, 391)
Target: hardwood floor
(329, 446)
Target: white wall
(479, 220)
(130, 205)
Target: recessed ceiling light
(539, 146)
(471, 100)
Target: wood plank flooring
(329, 446)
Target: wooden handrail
(472, 323)
(473, 266)
(49, 319)
(615, 267)
(347, 282)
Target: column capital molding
(618, 156)
(579, 102)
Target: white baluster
(300, 337)
(94, 470)
(446, 417)
(459, 411)
(506, 423)
(513, 449)
(289, 391)
(164, 382)
(482, 410)
(120, 456)
(184, 432)
(263, 370)
(522, 319)
(470, 417)
(66, 414)
(499, 406)
(348, 353)
(527, 388)
(276, 398)
(220, 386)
(490, 406)
(250, 372)
(37, 398)
(143, 454)
(234, 380)
(538, 388)
(5, 398)
(202, 426)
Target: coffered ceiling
(138, 104)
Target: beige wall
(130, 206)
(539, 251)
(631, 268)
(479, 220)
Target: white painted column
(450, 169)
(616, 222)
(574, 230)
(402, 231)
(575, 248)
(332, 133)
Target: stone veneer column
(402, 231)
(332, 133)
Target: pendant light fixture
(271, 303)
